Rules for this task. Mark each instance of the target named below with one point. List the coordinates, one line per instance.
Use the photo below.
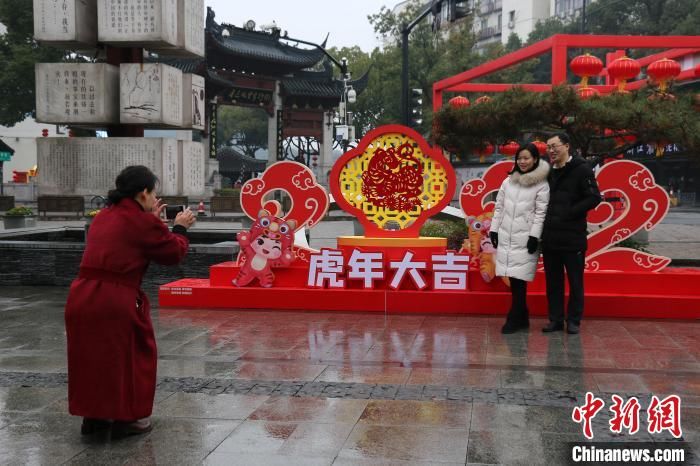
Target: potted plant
(226, 200)
(89, 216)
(19, 217)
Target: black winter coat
(571, 195)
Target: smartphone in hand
(172, 211)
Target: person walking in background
(516, 228)
(111, 345)
(573, 192)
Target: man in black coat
(573, 191)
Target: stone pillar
(272, 148)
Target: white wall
(22, 138)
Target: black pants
(518, 313)
(554, 264)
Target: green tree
(518, 115)
(18, 54)
(244, 127)
(433, 55)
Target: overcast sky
(310, 20)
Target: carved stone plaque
(151, 95)
(193, 101)
(89, 166)
(66, 23)
(192, 166)
(77, 93)
(140, 23)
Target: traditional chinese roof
(320, 84)
(232, 161)
(5, 148)
(231, 47)
(259, 55)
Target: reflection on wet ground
(251, 387)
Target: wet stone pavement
(252, 387)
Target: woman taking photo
(516, 228)
(111, 344)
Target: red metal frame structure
(558, 45)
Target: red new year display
(393, 182)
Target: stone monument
(124, 95)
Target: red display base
(670, 294)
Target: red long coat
(111, 345)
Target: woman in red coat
(111, 344)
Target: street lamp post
(345, 131)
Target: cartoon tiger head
(479, 228)
(271, 236)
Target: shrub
(228, 192)
(20, 211)
(454, 230)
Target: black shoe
(553, 327)
(572, 328)
(93, 426)
(510, 327)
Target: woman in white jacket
(516, 228)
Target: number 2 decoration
(643, 205)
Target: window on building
(484, 24)
(511, 16)
(500, 22)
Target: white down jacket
(521, 205)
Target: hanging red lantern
(586, 93)
(509, 149)
(586, 66)
(662, 71)
(485, 151)
(622, 69)
(621, 137)
(484, 99)
(458, 102)
(541, 147)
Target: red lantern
(662, 71)
(541, 147)
(458, 102)
(586, 93)
(484, 99)
(621, 137)
(622, 69)
(45, 133)
(485, 151)
(509, 149)
(586, 66)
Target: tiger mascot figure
(479, 246)
(268, 244)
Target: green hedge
(229, 192)
(454, 230)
